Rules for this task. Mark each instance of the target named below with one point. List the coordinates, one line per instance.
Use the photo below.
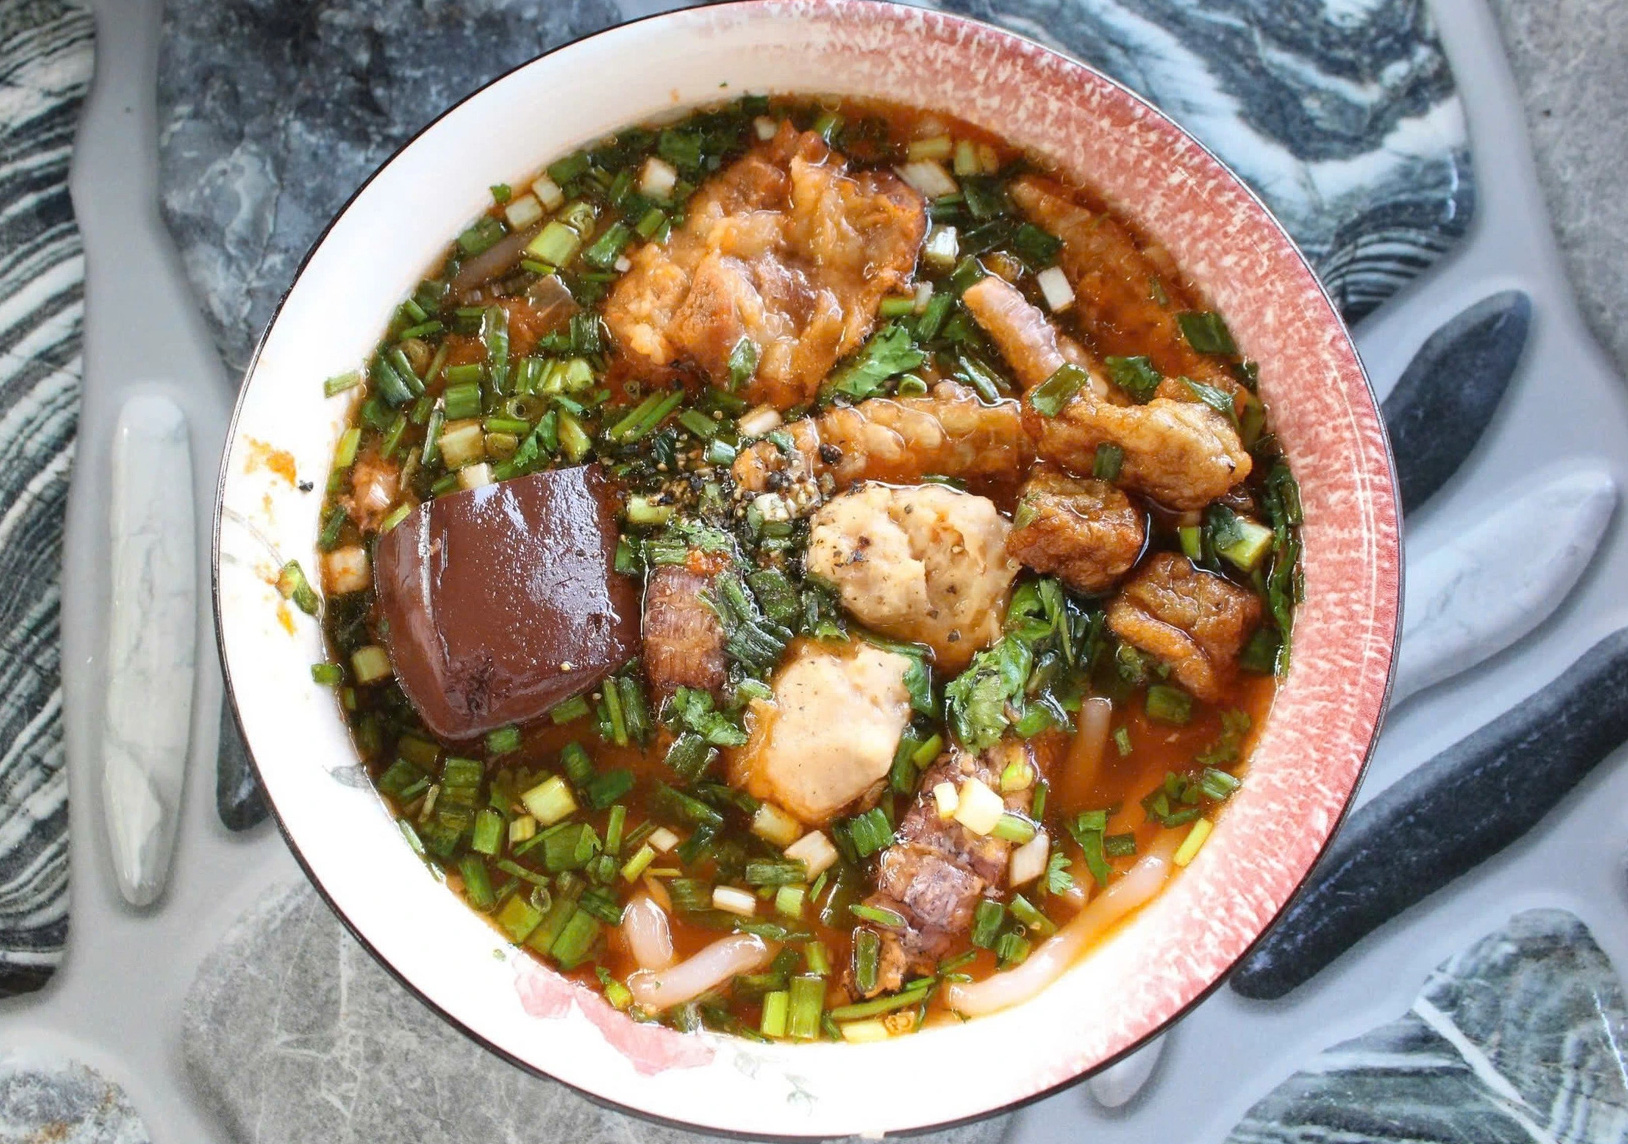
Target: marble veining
(45, 67)
(1518, 1039)
(46, 1098)
(1343, 117)
(150, 647)
(293, 1033)
(1466, 600)
(1413, 838)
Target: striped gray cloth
(45, 68)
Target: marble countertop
(144, 331)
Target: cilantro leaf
(978, 697)
(1057, 879)
(889, 353)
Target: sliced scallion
(1049, 397)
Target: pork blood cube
(503, 601)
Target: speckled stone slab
(48, 1099)
(45, 67)
(1517, 1039)
(1567, 56)
(293, 1034)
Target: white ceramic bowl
(1306, 764)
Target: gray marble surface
(293, 1033)
(1514, 1040)
(45, 68)
(1570, 59)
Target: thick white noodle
(717, 963)
(1046, 964)
(1090, 741)
(648, 936)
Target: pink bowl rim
(973, 25)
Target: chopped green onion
(644, 510)
(880, 1005)
(607, 248)
(331, 528)
(1167, 704)
(370, 664)
(870, 832)
(292, 585)
(1011, 950)
(807, 1001)
(503, 740)
(555, 244)
(1031, 917)
(987, 920)
(1119, 845)
(574, 440)
(1014, 828)
(1110, 458)
(776, 1007)
(1260, 654)
(576, 940)
(867, 955)
(891, 919)
(488, 837)
(340, 382)
(819, 961)
(604, 789)
(1192, 541)
(477, 882)
(637, 864)
(698, 423)
(645, 416)
(519, 918)
(345, 449)
(1135, 375)
(462, 401)
(1217, 399)
(327, 674)
(1206, 332)
(569, 711)
(788, 900)
(550, 801)
(1049, 397)
(775, 871)
(1122, 741)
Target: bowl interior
(1307, 761)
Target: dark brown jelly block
(503, 601)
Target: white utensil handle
(151, 651)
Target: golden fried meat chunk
(1086, 532)
(1192, 620)
(784, 248)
